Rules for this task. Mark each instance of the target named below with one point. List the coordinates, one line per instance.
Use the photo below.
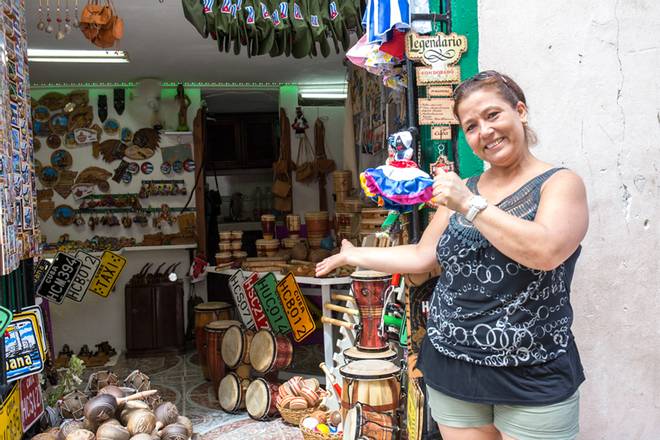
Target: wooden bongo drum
(231, 392)
(260, 399)
(270, 352)
(361, 422)
(369, 291)
(215, 330)
(205, 313)
(371, 382)
(355, 354)
(235, 348)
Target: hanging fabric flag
(381, 16)
(208, 6)
(420, 7)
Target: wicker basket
(308, 434)
(295, 416)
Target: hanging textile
(381, 16)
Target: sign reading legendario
(439, 49)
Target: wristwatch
(476, 205)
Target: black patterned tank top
(490, 310)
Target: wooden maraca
(141, 421)
(80, 434)
(185, 421)
(104, 406)
(130, 407)
(175, 431)
(112, 430)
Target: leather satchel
(281, 188)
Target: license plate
(260, 318)
(24, 352)
(31, 403)
(59, 277)
(236, 282)
(266, 289)
(84, 277)
(108, 274)
(295, 307)
(10, 416)
(40, 271)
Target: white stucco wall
(590, 73)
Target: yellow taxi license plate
(295, 308)
(108, 273)
(11, 427)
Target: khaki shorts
(558, 421)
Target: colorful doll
(399, 184)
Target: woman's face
(493, 129)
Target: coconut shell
(112, 431)
(113, 390)
(131, 405)
(80, 434)
(174, 431)
(142, 436)
(166, 413)
(45, 436)
(141, 421)
(67, 427)
(101, 408)
(185, 421)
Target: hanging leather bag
(305, 167)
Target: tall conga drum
(205, 313)
(270, 352)
(369, 291)
(215, 331)
(235, 347)
(355, 354)
(363, 423)
(260, 399)
(231, 392)
(371, 382)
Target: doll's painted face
(399, 146)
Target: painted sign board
(236, 282)
(258, 315)
(10, 416)
(295, 307)
(439, 90)
(59, 277)
(24, 353)
(439, 49)
(438, 75)
(440, 133)
(266, 289)
(5, 318)
(107, 275)
(32, 406)
(36, 311)
(436, 111)
(83, 279)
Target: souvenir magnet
(177, 166)
(147, 168)
(189, 165)
(165, 168)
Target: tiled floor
(179, 380)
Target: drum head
(369, 275)
(257, 398)
(213, 305)
(217, 326)
(262, 350)
(229, 392)
(370, 369)
(352, 423)
(232, 346)
(354, 354)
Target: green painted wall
(464, 22)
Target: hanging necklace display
(41, 25)
(60, 33)
(67, 19)
(49, 25)
(76, 23)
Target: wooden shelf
(177, 133)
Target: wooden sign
(295, 308)
(439, 49)
(32, 406)
(440, 133)
(240, 299)
(438, 75)
(258, 315)
(59, 277)
(106, 277)
(84, 277)
(439, 90)
(10, 416)
(24, 351)
(436, 111)
(266, 289)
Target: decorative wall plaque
(440, 132)
(439, 90)
(439, 49)
(438, 75)
(436, 111)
